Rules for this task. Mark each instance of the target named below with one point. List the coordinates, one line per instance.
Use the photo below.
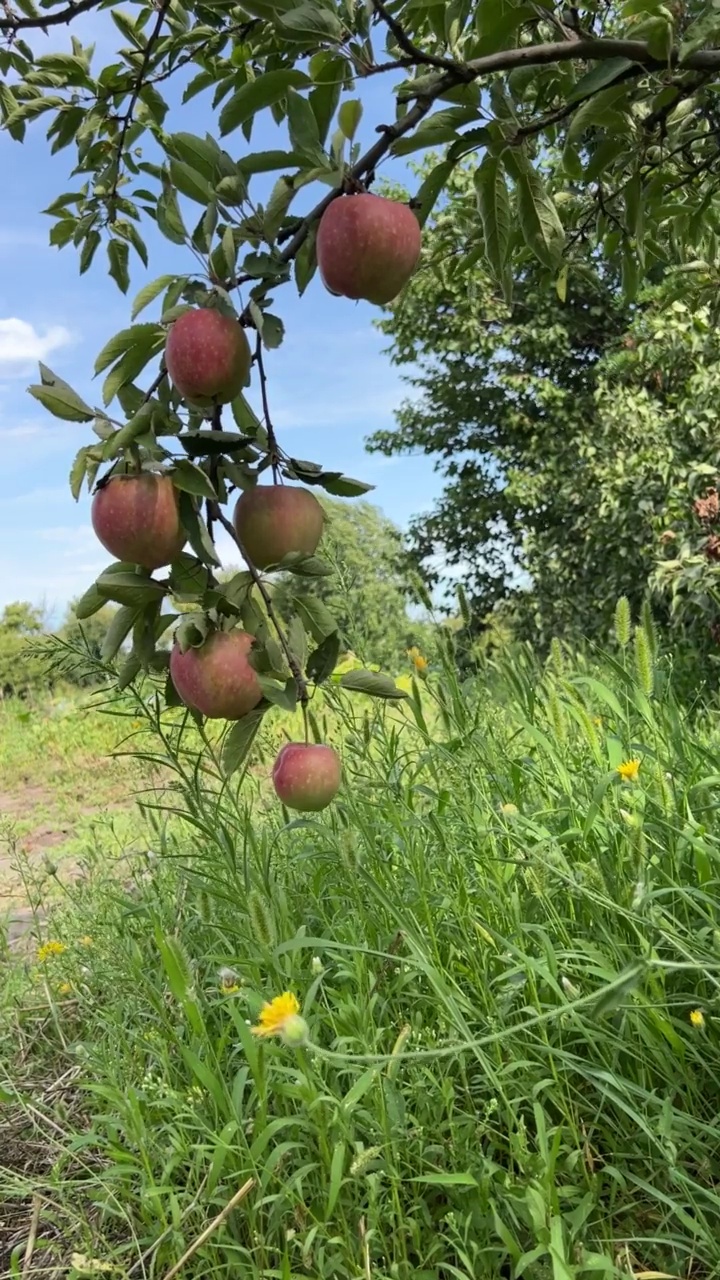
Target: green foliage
(502, 951)
(367, 592)
(573, 433)
(22, 670)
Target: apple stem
(306, 725)
(294, 665)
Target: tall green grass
(508, 959)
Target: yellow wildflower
(597, 721)
(50, 948)
(419, 662)
(281, 1017)
(86, 940)
(629, 770)
(697, 1018)
(65, 988)
(509, 810)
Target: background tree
(22, 670)
(574, 432)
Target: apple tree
(624, 97)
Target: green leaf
(297, 640)
(117, 632)
(188, 578)
(541, 226)
(316, 618)
(129, 588)
(343, 486)
(267, 161)
(78, 471)
(311, 21)
(373, 683)
(197, 531)
(601, 75)
(446, 1180)
(323, 660)
(191, 479)
(277, 206)
(430, 189)
(118, 253)
(89, 603)
(136, 335)
(169, 218)
(239, 741)
(349, 117)
(60, 399)
(306, 261)
(494, 207)
(269, 88)
(283, 696)
(128, 671)
(190, 183)
(302, 127)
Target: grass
(497, 944)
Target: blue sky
(330, 384)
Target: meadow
(503, 938)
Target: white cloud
(21, 344)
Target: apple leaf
(252, 97)
(188, 578)
(349, 117)
(192, 631)
(342, 486)
(128, 671)
(197, 531)
(297, 640)
(89, 603)
(149, 293)
(283, 696)
(323, 660)
(191, 479)
(305, 566)
(316, 618)
(373, 683)
(60, 399)
(129, 588)
(117, 632)
(239, 741)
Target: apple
(306, 776)
(274, 520)
(367, 247)
(207, 356)
(136, 517)
(217, 679)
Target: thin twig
(245, 1190)
(418, 55)
(272, 439)
(303, 696)
(48, 19)
(129, 114)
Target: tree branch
(272, 440)
(418, 55)
(128, 117)
(44, 20)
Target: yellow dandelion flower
(50, 948)
(65, 988)
(509, 810)
(629, 770)
(230, 982)
(697, 1018)
(86, 940)
(281, 1017)
(419, 662)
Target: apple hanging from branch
(136, 518)
(368, 247)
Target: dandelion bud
(295, 1031)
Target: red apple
(367, 247)
(217, 679)
(137, 519)
(306, 776)
(207, 356)
(274, 520)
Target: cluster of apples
(367, 247)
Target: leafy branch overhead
(621, 96)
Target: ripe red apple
(367, 247)
(306, 776)
(137, 519)
(207, 356)
(274, 520)
(217, 679)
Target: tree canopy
(595, 133)
(573, 433)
